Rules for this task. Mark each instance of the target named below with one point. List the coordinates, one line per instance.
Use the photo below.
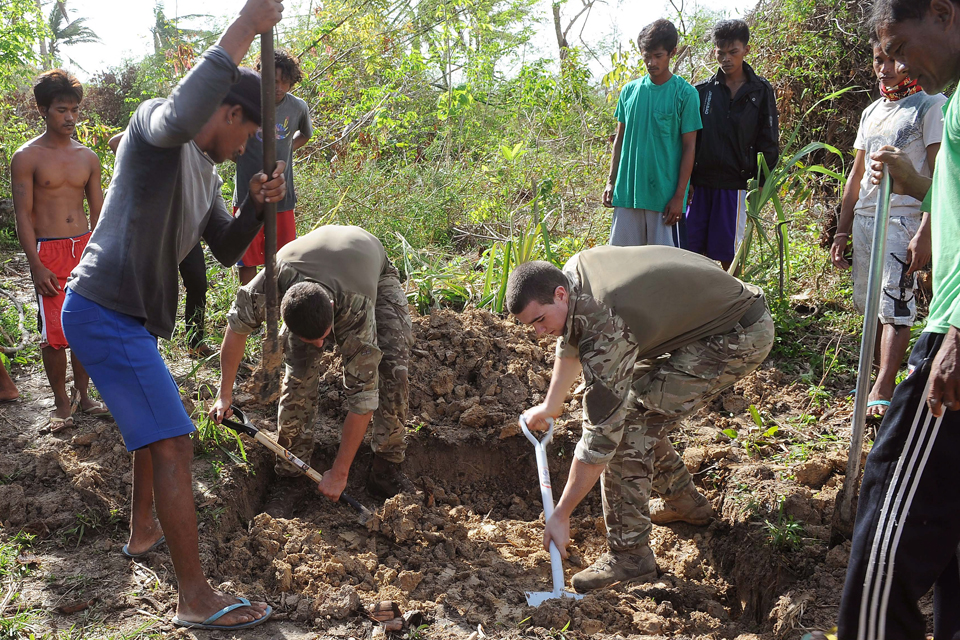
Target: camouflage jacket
(607, 351)
(354, 330)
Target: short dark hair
(533, 281)
(245, 92)
(287, 65)
(886, 12)
(728, 31)
(307, 311)
(55, 84)
(660, 33)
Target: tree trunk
(561, 38)
(44, 57)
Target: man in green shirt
(908, 515)
(657, 332)
(658, 117)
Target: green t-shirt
(654, 119)
(945, 226)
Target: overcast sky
(124, 25)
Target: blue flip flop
(207, 625)
(126, 550)
(878, 403)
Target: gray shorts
(898, 304)
(641, 227)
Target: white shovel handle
(546, 494)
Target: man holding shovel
(164, 196)
(657, 333)
(334, 282)
(908, 516)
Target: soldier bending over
(657, 332)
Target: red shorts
(286, 232)
(60, 255)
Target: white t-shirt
(911, 124)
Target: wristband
(841, 235)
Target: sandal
(56, 425)
(98, 410)
(208, 623)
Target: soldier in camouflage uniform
(657, 333)
(344, 270)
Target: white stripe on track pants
(908, 519)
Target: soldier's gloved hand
(220, 409)
(538, 418)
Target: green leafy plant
(784, 533)
(773, 243)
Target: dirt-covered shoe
(386, 479)
(617, 566)
(689, 507)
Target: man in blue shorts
(164, 197)
(739, 114)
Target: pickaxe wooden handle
(243, 425)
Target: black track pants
(193, 270)
(908, 518)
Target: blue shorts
(716, 220)
(122, 359)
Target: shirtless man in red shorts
(51, 175)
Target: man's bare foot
(144, 538)
(200, 611)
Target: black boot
(386, 479)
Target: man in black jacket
(739, 114)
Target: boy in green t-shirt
(658, 117)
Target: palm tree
(64, 32)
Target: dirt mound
(466, 547)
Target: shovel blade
(536, 598)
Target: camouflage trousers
(300, 386)
(663, 392)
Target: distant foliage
(811, 48)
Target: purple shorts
(715, 222)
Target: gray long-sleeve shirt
(165, 196)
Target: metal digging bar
(845, 513)
(242, 424)
(536, 598)
(268, 107)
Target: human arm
(94, 190)
(231, 353)
(851, 195)
(907, 180)
(674, 208)
(228, 236)
(114, 141)
(768, 133)
(299, 140)
(920, 249)
(256, 17)
(21, 177)
(178, 119)
(580, 481)
(614, 165)
(354, 428)
(565, 372)
(945, 373)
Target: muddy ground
(461, 551)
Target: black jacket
(734, 131)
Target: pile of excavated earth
(459, 554)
